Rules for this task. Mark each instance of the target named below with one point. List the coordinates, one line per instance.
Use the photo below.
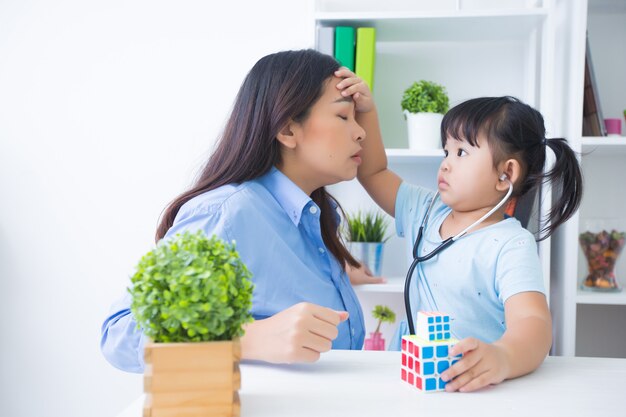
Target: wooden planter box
(192, 379)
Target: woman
(290, 134)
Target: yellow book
(366, 55)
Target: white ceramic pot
(424, 130)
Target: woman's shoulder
(242, 195)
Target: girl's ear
(512, 169)
(287, 136)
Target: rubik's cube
(426, 355)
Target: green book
(366, 55)
(344, 46)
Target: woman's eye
(343, 117)
(445, 153)
(461, 152)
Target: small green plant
(191, 289)
(425, 97)
(367, 227)
(383, 314)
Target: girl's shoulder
(510, 234)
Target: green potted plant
(424, 103)
(191, 295)
(366, 237)
(384, 315)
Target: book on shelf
(344, 46)
(366, 55)
(325, 42)
(593, 123)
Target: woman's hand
(362, 275)
(482, 364)
(298, 334)
(351, 85)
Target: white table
(365, 383)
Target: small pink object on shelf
(613, 127)
(374, 342)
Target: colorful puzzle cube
(433, 325)
(426, 355)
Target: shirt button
(321, 250)
(353, 331)
(313, 209)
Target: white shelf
(409, 156)
(393, 285)
(609, 298)
(603, 146)
(464, 25)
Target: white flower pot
(424, 130)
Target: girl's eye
(461, 152)
(343, 117)
(445, 153)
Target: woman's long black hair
(280, 87)
(516, 130)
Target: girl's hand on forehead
(351, 85)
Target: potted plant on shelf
(366, 237)
(376, 341)
(191, 295)
(424, 103)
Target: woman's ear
(512, 169)
(287, 136)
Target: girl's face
(327, 144)
(467, 179)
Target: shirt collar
(290, 197)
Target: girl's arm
(380, 183)
(521, 349)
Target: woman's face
(327, 143)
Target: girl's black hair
(279, 87)
(516, 130)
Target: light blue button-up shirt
(276, 227)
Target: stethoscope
(449, 241)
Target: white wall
(106, 110)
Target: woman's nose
(360, 133)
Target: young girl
(490, 279)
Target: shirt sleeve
(122, 342)
(411, 204)
(518, 268)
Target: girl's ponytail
(567, 185)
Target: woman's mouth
(356, 158)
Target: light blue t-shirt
(471, 279)
(276, 227)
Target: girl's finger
(348, 91)
(460, 382)
(344, 72)
(460, 367)
(347, 82)
(477, 383)
(464, 346)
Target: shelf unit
(588, 323)
(474, 48)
